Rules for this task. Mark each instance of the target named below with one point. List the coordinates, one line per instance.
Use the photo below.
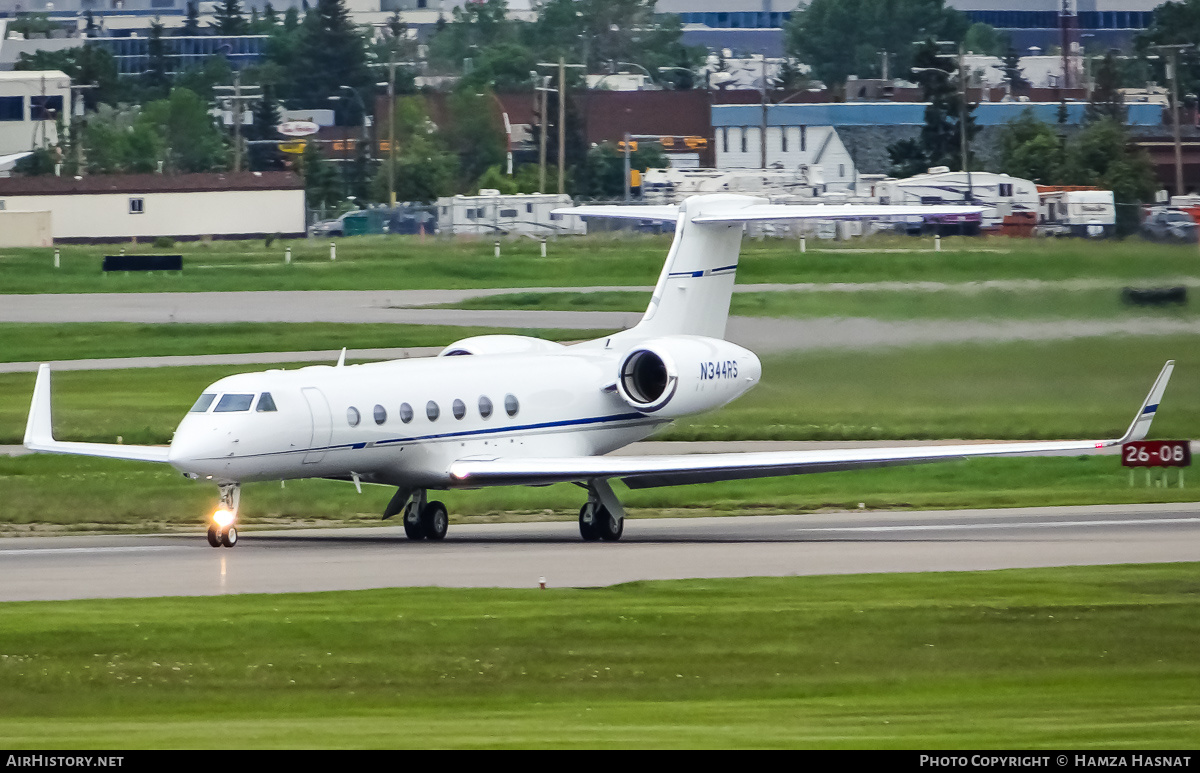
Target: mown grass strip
(398, 263)
(1086, 657)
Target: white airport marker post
(56, 257)
(543, 246)
(332, 251)
(287, 255)
(497, 250)
(803, 245)
(937, 242)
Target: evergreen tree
(1013, 73)
(90, 28)
(270, 17)
(157, 76)
(331, 54)
(266, 118)
(228, 18)
(1107, 100)
(191, 24)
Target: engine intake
(648, 380)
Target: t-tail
(696, 284)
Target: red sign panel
(1156, 453)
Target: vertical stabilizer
(693, 291)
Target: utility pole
(238, 102)
(1173, 77)
(962, 123)
(762, 131)
(391, 128)
(562, 124)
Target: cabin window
(803, 138)
(508, 213)
(783, 139)
(406, 413)
(485, 406)
(432, 411)
(137, 206)
(745, 139)
(380, 414)
(202, 404)
(459, 408)
(511, 406)
(1006, 190)
(234, 403)
(266, 403)
(12, 108)
(352, 416)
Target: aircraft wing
(653, 471)
(39, 432)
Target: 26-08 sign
(1156, 453)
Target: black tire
(229, 537)
(214, 539)
(413, 529)
(587, 524)
(434, 520)
(610, 528)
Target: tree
(1031, 150)
(191, 24)
(1100, 155)
(85, 65)
(984, 39)
(266, 118)
(839, 38)
(41, 161)
(1013, 73)
(322, 188)
(908, 158)
(228, 18)
(941, 136)
(156, 77)
(331, 54)
(475, 132)
(1175, 23)
(602, 174)
(1106, 100)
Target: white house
(791, 142)
(100, 208)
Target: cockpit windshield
(234, 403)
(202, 404)
(265, 403)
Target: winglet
(1145, 415)
(39, 429)
(39, 432)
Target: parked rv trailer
(1004, 196)
(1075, 212)
(494, 214)
(671, 186)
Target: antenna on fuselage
(341, 358)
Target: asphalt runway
(518, 555)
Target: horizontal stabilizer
(745, 209)
(39, 432)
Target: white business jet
(512, 410)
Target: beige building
(101, 208)
(29, 102)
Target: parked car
(334, 227)
(1170, 225)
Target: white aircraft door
(322, 424)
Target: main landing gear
(222, 532)
(602, 517)
(422, 519)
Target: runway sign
(1156, 453)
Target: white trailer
(1001, 194)
(1077, 213)
(671, 186)
(494, 214)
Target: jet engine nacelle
(679, 375)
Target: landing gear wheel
(434, 520)
(229, 537)
(610, 528)
(413, 528)
(587, 523)
(214, 538)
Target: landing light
(222, 517)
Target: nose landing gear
(222, 532)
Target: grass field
(88, 340)
(1073, 658)
(874, 304)
(374, 263)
